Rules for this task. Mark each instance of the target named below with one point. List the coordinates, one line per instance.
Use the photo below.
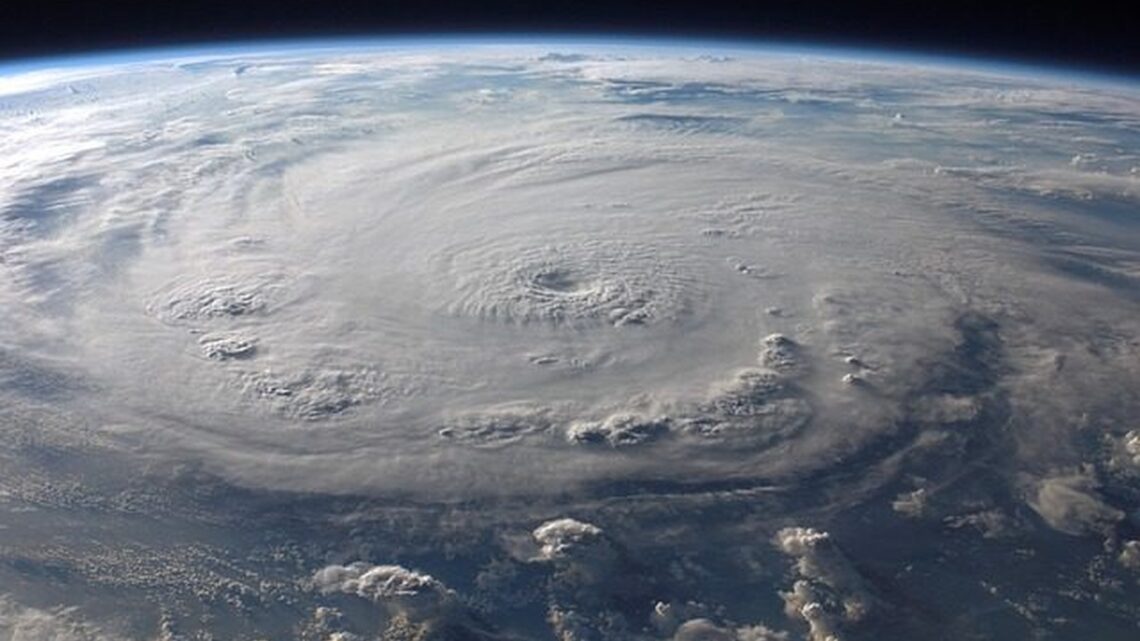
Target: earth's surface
(578, 341)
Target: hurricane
(567, 340)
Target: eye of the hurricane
(570, 293)
(563, 282)
(580, 283)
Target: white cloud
(413, 602)
(1130, 555)
(376, 582)
(1069, 503)
(829, 594)
(619, 430)
(911, 504)
(19, 623)
(566, 538)
(702, 630)
(705, 630)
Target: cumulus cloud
(702, 630)
(756, 407)
(1126, 451)
(567, 538)
(829, 594)
(619, 430)
(311, 394)
(592, 588)
(224, 347)
(705, 630)
(208, 299)
(1069, 503)
(19, 623)
(498, 427)
(807, 603)
(911, 504)
(417, 605)
(376, 582)
(1130, 555)
(781, 353)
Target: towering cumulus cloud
(828, 593)
(614, 342)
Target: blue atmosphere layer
(1059, 72)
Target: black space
(1083, 35)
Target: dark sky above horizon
(1075, 35)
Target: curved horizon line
(885, 54)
